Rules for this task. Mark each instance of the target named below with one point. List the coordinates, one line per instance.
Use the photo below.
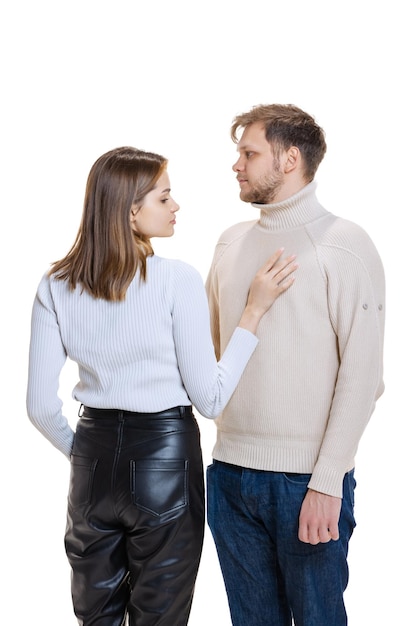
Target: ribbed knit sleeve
(209, 384)
(46, 359)
(356, 297)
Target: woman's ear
(134, 210)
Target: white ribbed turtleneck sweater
(310, 388)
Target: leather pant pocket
(159, 486)
(81, 480)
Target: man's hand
(319, 516)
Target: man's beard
(265, 190)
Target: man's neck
(288, 190)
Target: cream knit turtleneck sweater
(311, 385)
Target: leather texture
(136, 515)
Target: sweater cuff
(242, 334)
(327, 479)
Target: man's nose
(238, 165)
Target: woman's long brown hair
(107, 252)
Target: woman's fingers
(272, 279)
(284, 268)
(275, 265)
(278, 269)
(272, 260)
(283, 285)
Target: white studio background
(80, 78)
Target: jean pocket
(159, 486)
(81, 480)
(297, 479)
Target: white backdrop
(82, 77)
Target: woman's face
(157, 215)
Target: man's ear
(292, 159)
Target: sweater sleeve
(356, 293)
(46, 360)
(209, 384)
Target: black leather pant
(136, 516)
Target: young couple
(287, 358)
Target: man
(281, 486)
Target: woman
(137, 325)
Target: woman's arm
(210, 383)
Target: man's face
(258, 171)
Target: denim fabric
(271, 577)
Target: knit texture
(149, 353)
(307, 394)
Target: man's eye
(249, 154)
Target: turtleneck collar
(301, 208)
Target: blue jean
(270, 576)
